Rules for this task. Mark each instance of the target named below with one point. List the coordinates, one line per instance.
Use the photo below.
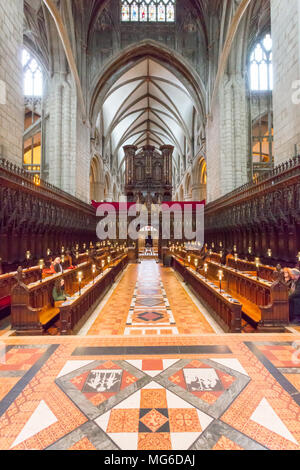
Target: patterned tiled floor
(177, 393)
(149, 300)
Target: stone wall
(11, 80)
(286, 57)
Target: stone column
(199, 192)
(11, 80)
(167, 153)
(227, 138)
(286, 59)
(68, 149)
(129, 151)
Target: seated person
(149, 244)
(58, 292)
(50, 267)
(58, 266)
(292, 279)
(69, 260)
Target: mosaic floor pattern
(213, 392)
(149, 300)
(150, 311)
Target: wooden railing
(225, 309)
(264, 272)
(75, 311)
(32, 305)
(265, 302)
(264, 183)
(263, 215)
(18, 175)
(35, 216)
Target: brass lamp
(41, 266)
(80, 277)
(205, 270)
(220, 276)
(257, 264)
(236, 260)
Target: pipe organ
(148, 174)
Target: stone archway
(96, 180)
(188, 188)
(199, 179)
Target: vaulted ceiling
(148, 105)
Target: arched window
(261, 67)
(152, 11)
(261, 87)
(33, 76)
(33, 91)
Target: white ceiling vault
(148, 105)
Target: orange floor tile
(149, 300)
(211, 392)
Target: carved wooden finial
(20, 276)
(278, 275)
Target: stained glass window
(125, 12)
(170, 13)
(261, 67)
(134, 12)
(143, 12)
(152, 12)
(148, 11)
(161, 12)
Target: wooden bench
(8, 281)
(32, 308)
(32, 305)
(265, 303)
(225, 309)
(27, 319)
(265, 272)
(76, 310)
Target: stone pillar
(68, 149)
(11, 80)
(199, 192)
(286, 60)
(129, 151)
(167, 153)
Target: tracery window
(148, 11)
(261, 67)
(33, 91)
(33, 76)
(261, 109)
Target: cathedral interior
(149, 225)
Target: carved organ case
(148, 174)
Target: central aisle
(149, 300)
